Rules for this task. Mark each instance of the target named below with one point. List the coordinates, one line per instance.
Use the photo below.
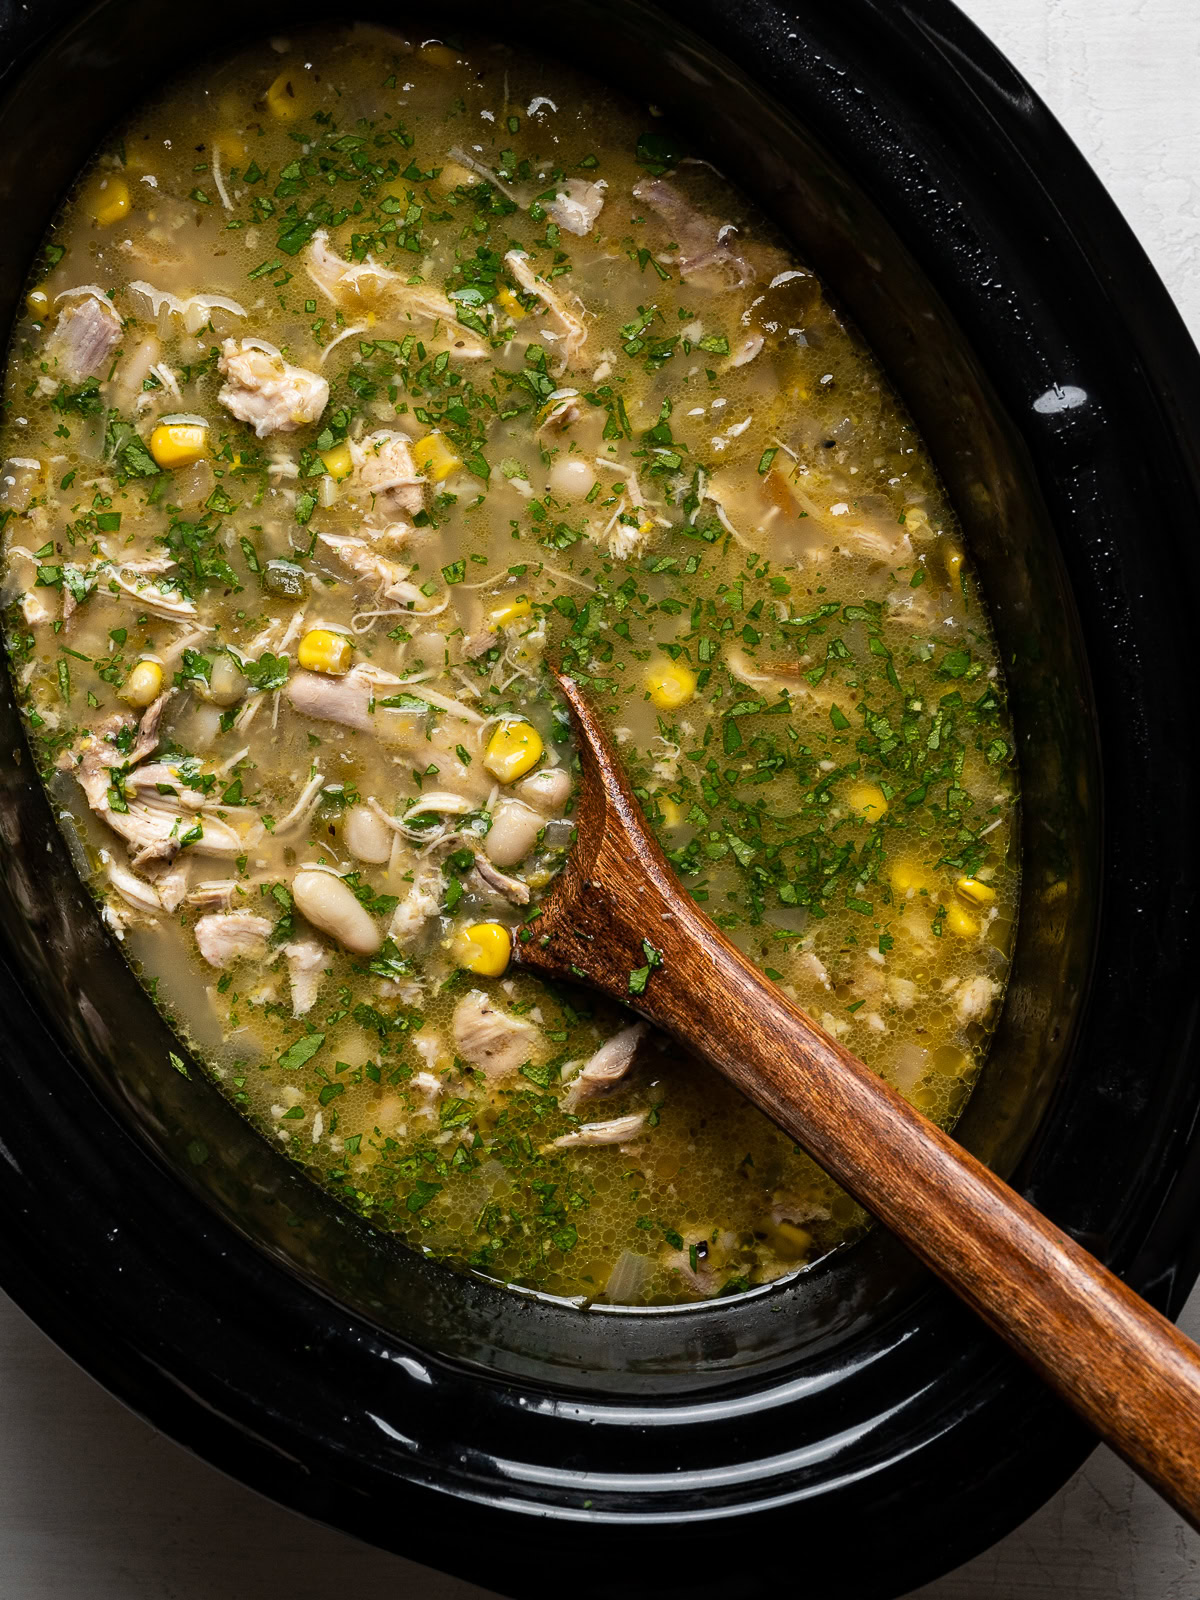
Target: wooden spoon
(617, 908)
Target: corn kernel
(512, 750)
(143, 684)
(434, 456)
(454, 176)
(974, 891)
(439, 55)
(952, 558)
(37, 302)
(108, 201)
(670, 685)
(950, 1061)
(322, 650)
(231, 147)
(791, 1242)
(178, 444)
(961, 922)
(511, 304)
(485, 948)
(288, 97)
(869, 800)
(509, 612)
(908, 877)
(673, 814)
(338, 462)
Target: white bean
(547, 789)
(367, 835)
(199, 729)
(513, 832)
(329, 904)
(571, 476)
(227, 685)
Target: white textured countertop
(95, 1506)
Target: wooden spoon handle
(1132, 1375)
(619, 919)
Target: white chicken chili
(357, 374)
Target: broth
(355, 376)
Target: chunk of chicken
(87, 332)
(593, 1134)
(607, 1068)
(811, 969)
(706, 256)
(384, 469)
(224, 937)
(423, 900)
(491, 1039)
(974, 998)
(570, 334)
(577, 205)
(171, 883)
(306, 960)
(266, 391)
(346, 700)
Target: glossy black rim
(235, 1352)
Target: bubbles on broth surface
(346, 390)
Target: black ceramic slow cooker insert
(853, 1431)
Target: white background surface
(95, 1506)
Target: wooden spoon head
(616, 887)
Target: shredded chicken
(874, 541)
(700, 1263)
(797, 1209)
(491, 1039)
(224, 937)
(264, 390)
(136, 892)
(366, 286)
(152, 597)
(607, 1068)
(306, 960)
(153, 824)
(592, 1134)
(571, 332)
(513, 890)
(214, 894)
(390, 577)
